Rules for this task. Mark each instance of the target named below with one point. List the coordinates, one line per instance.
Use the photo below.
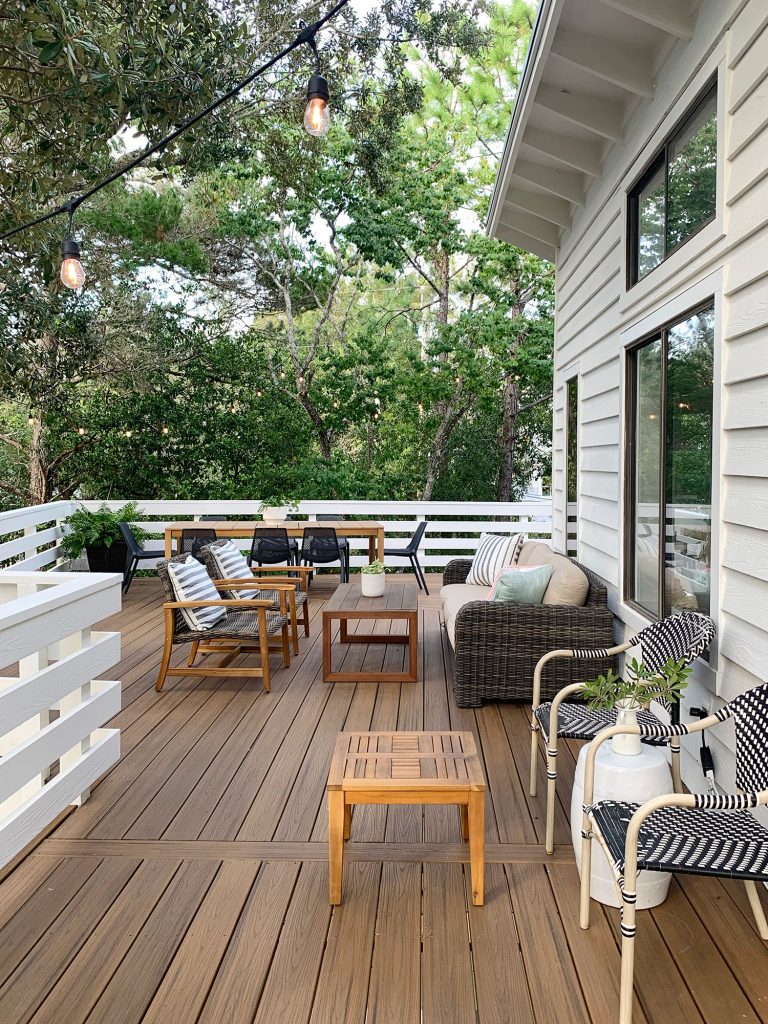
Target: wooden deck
(193, 885)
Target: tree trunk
(510, 410)
(452, 412)
(39, 477)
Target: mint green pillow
(526, 587)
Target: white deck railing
(454, 526)
(52, 708)
(29, 537)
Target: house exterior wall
(597, 318)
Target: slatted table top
(397, 760)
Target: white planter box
(372, 584)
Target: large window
(676, 194)
(669, 528)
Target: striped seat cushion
(494, 552)
(231, 565)
(191, 582)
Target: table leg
(371, 548)
(380, 555)
(347, 820)
(476, 815)
(168, 544)
(413, 646)
(327, 626)
(464, 822)
(335, 844)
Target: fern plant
(99, 529)
(641, 686)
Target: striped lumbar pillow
(231, 565)
(494, 552)
(191, 582)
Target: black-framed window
(669, 472)
(676, 195)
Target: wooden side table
(406, 768)
(347, 604)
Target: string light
(128, 433)
(72, 274)
(317, 117)
(336, 403)
(31, 418)
(81, 431)
(165, 430)
(259, 394)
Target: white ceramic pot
(628, 745)
(631, 779)
(372, 584)
(276, 513)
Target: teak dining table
(369, 528)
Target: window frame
(630, 454)
(660, 160)
(574, 377)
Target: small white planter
(372, 584)
(276, 513)
(630, 746)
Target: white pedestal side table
(633, 778)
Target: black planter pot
(111, 559)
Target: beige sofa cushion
(568, 585)
(454, 596)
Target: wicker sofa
(496, 646)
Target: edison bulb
(317, 117)
(72, 273)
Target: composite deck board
(192, 886)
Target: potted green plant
(98, 532)
(278, 507)
(372, 579)
(627, 696)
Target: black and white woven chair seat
(726, 843)
(236, 625)
(580, 722)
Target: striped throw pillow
(494, 551)
(191, 582)
(231, 565)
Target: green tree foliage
(269, 312)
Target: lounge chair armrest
(222, 602)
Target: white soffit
(590, 63)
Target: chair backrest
(170, 593)
(329, 517)
(750, 711)
(213, 519)
(321, 545)
(133, 545)
(415, 540)
(683, 637)
(270, 545)
(195, 538)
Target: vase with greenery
(99, 534)
(372, 579)
(628, 695)
(278, 506)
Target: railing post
(69, 645)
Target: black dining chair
(328, 517)
(411, 552)
(136, 554)
(271, 545)
(195, 538)
(320, 546)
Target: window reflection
(647, 441)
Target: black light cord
(305, 36)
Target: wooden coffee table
(348, 604)
(406, 768)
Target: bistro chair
(225, 564)
(195, 538)
(694, 833)
(320, 546)
(683, 637)
(411, 552)
(137, 554)
(271, 545)
(196, 613)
